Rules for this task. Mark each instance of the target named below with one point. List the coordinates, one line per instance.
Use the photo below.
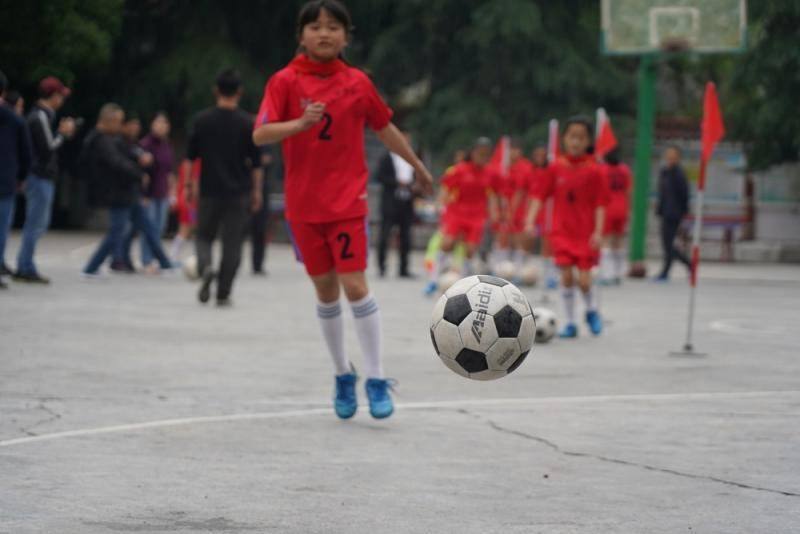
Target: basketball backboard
(636, 27)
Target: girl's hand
(312, 115)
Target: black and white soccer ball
(483, 328)
(546, 324)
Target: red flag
(553, 151)
(713, 127)
(606, 141)
(501, 159)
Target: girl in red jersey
(540, 173)
(469, 201)
(580, 196)
(186, 193)
(318, 107)
(618, 178)
(521, 173)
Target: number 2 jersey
(325, 166)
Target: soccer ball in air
(483, 328)
(190, 268)
(546, 325)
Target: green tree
(64, 38)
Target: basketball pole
(645, 125)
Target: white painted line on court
(401, 406)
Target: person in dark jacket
(40, 184)
(15, 161)
(397, 208)
(112, 163)
(673, 205)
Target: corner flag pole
(713, 130)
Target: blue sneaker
(380, 402)
(569, 332)
(595, 322)
(552, 283)
(430, 288)
(346, 403)
(661, 279)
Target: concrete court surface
(127, 407)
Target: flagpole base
(688, 352)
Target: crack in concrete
(665, 470)
(52, 416)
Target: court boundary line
(429, 405)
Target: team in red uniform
(511, 189)
(186, 195)
(544, 218)
(318, 107)
(619, 180)
(580, 195)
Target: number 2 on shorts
(344, 239)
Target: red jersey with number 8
(325, 166)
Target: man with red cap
(40, 184)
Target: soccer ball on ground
(448, 279)
(506, 270)
(483, 328)
(190, 268)
(546, 325)
(529, 274)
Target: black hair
(3, 82)
(310, 12)
(160, 113)
(229, 82)
(582, 120)
(613, 157)
(12, 97)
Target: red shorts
(187, 215)
(571, 253)
(470, 230)
(337, 245)
(615, 225)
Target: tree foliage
(453, 69)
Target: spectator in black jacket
(40, 184)
(397, 208)
(673, 205)
(15, 161)
(112, 165)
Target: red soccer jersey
(539, 178)
(471, 186)
(618, 178)
(578, 189)
(325, 166)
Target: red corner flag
(713, 127)
(501, 159)
(606, 141)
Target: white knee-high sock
(467, 268)
(444, 260)
(177, 246)
(330, 320)
(619, 262)
(606, 264)
(368, 328)
(568, 296)
(590, 300)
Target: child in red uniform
(580, 196)
(618, 178)
(318, 107)
(543, 222)
(521, 174)
(469, 203)
(186, 206)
